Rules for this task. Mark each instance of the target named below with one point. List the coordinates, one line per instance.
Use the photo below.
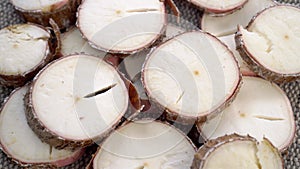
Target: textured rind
(90, 165)
(211, 145)
(254, 65)
(64, 16)
(218, 12)
(22, 79)
(32, 165)
(122, 53)
(175, 116)
(50, 137)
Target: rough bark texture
(64, 16)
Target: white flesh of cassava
(64, 85)
(226, 25)
(44, 5)
(192, 74)
(22, 48)
(145, 145)
(73, 43)
(19, 141)
(261, 109)
(121, 25)
(217, 5)
(275, 45)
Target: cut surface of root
(219, 7)
(261, 109)
(227, 24)
(178, 75)
(21, 144)
(236, 152)
(121, 26)
(45, 5)
(145, 145)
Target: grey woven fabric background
(8, 16)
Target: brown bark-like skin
(22, 79)
(58, 142)
(32, 165)
(64, 16)
(180, 118)
(210, 146)
(254, 65)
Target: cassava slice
(230, 42)
(219, 7)
(261, 109)
(270, 49)
(237, 152)
(20, 143)
(25, 49)
(63, 12)
(75, 101)
(227, 24)
(121, 26)
(145, 144)
(191, 76)
(73, 43)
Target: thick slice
(20, 143)
(121, 26)
(271, 49)
(63, 12)
(219, 7)
(261, 109)
(145, 144)
(76, 99)
(25, 49)
(191, 76)
(230, 42)
(237, 152)
(227, 24)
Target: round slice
(63, 12)
(144, 144)
(121, 26)
(236, 152)
(219, 7)
(227, 24)
(20, 143)
(25, 49)
(261, 103)
(270, 43)
(191, 76)
(229, 41)
(75, 101)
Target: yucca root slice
(145, 144)
(269, 49)
(261, 109)
(25, 49)
(63, 12)
(75, 101)
(236, 152)
(21, 144)
(122, 27)
(227, 24)
(219, 7)
(191, 76)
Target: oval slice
(145, 144)
(75, 101)
(102, 23)
(261, 103)
(219, 7)
(236, 152)
(227, 24)
(191, 76)
(25, 49)
(21, 144)
(270, 49)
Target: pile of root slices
(147, 92)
